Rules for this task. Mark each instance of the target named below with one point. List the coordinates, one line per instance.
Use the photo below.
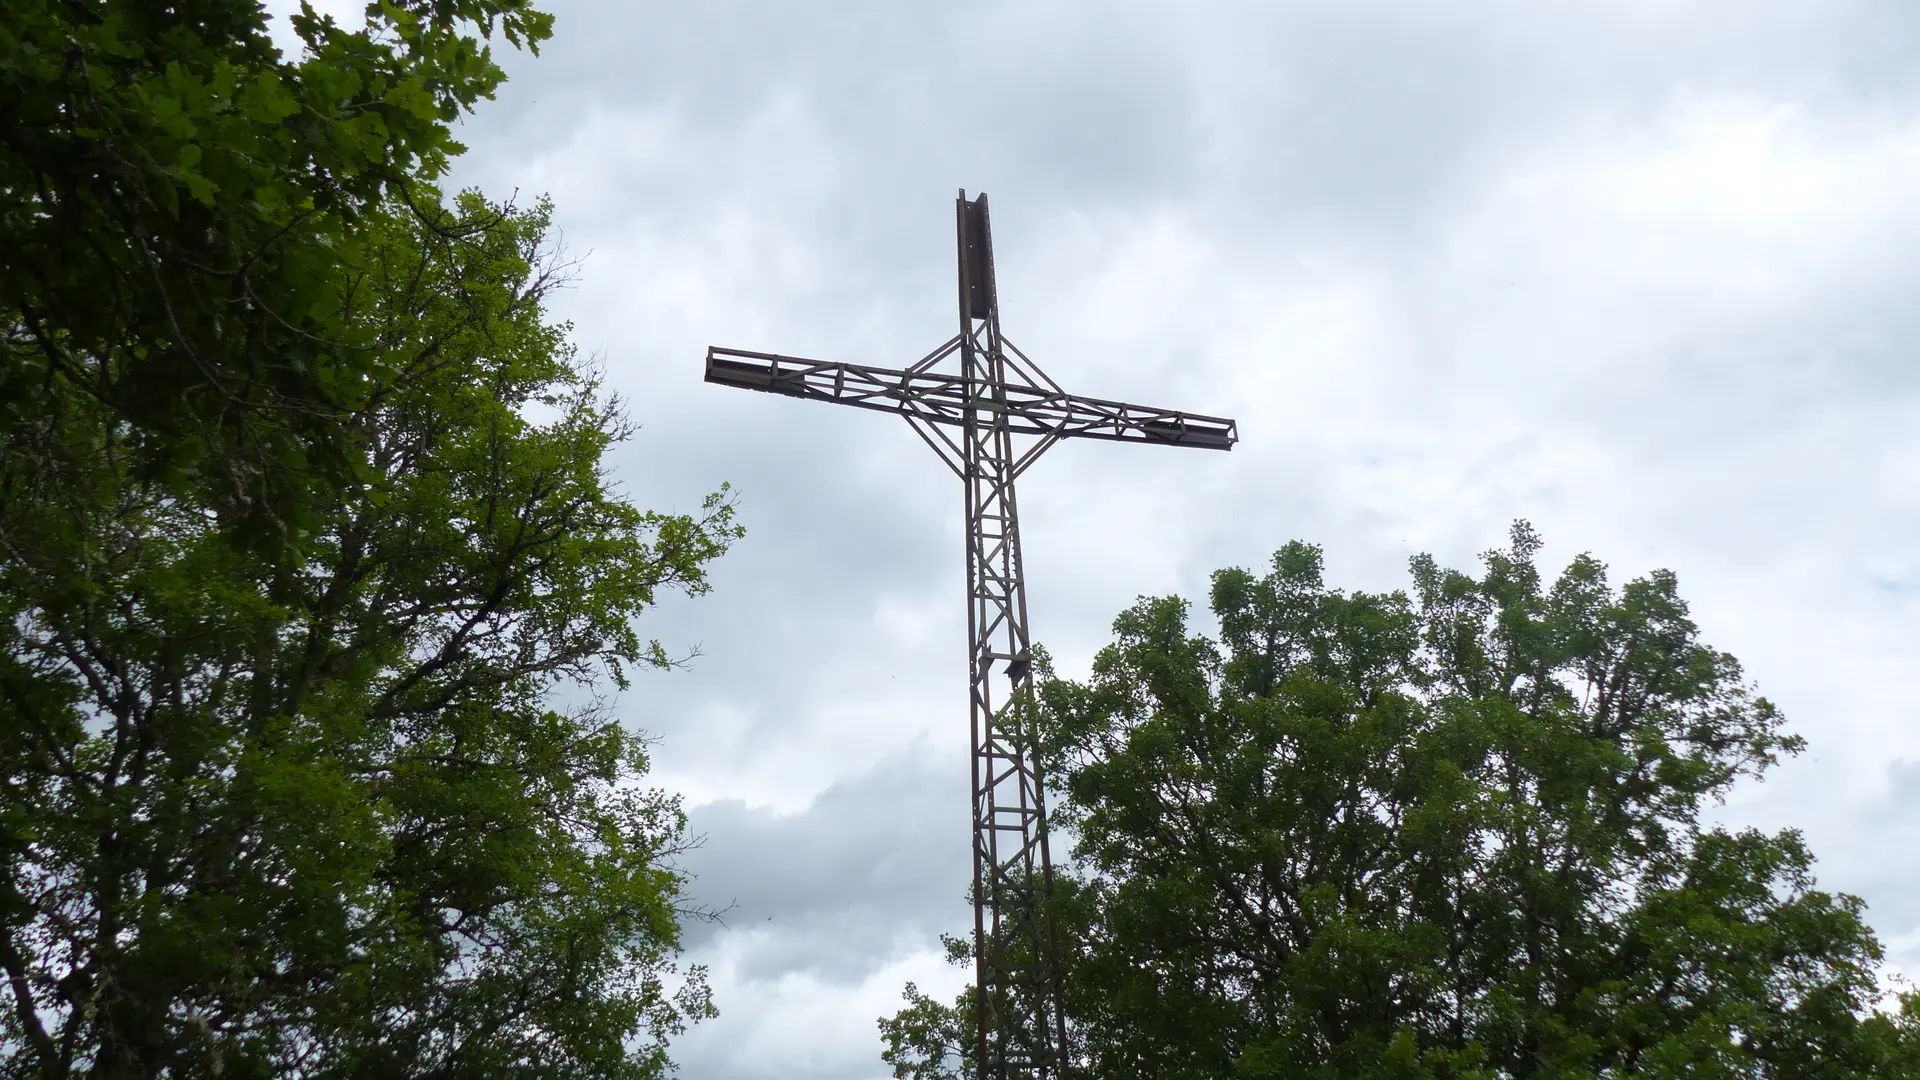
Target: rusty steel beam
(948, 399)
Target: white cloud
(798, 1025)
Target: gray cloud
(1886, 878)
(874, 856)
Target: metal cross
(971, 418)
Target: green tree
(1452, 835)
(316, 814)
(176, 201)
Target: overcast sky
(1643, 273)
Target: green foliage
(929, 1040)
(309, 811)
(288, 576)
(1455, 836)
(176, 202)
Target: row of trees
(304, 520)
(1454, 835)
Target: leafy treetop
(1454, 835)
(176, 200)
(322, 816)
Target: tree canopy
(177, 200)
(267, 817)
(1457, 834)
(312, 577)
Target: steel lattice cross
(971, 418)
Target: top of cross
(996, 383)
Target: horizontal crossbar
(948, 399)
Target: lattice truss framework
(971, 414)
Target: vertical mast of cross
(1021, 1030)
